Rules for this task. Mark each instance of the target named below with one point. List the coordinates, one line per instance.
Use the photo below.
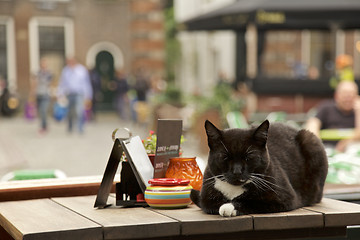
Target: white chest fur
(228, 190)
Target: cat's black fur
(274, 168)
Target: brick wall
(135, 26)
(148, 37)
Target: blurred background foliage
(172, 45)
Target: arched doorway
(105, 58)
(105, 92)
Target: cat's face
(237, 154)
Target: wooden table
(75, 218)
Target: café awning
(279, 14)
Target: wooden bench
(46, 188)
(75, 218)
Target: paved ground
(22, 147)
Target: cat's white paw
(227, 210)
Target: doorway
(105, 95)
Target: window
(280, 59)
(52, 40)
(321, 55)
(351, 46)
(297, 55)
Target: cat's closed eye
(225, 157)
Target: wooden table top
(75, 218)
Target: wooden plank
(345, 192)
(46, 188)
(307, 233)
(332, 188)
(299, 218)
(123, 223)
(195, 221)
(4, 235)
(44, 219)
(338, 213)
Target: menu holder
(138, 170)
(109, 174)
(135, 174)
(167, 145)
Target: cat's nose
(237, 170)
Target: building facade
(205, 55)
(107, 35)
(284, 50)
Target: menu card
(139, 161)
(167, 144)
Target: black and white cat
(271, 168)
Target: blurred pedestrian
(141, 87)
(122, 100)
(40, 90)
(75, 85)
(3, 90)
(96, 87)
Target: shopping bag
(60, 111)
(30, 110)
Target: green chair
(277, 117)
(236, 120)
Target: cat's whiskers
(262, 185)
(268, 182)
(262, 175)
(261, 182)
(257, 185)
(211, 180)
(213, 177)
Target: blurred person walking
(75, 85)
(40, 89)
(142, 86)
(96, 87)
(122, 100)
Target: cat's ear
(261, 133)
(212, 132)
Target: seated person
(342, 112)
